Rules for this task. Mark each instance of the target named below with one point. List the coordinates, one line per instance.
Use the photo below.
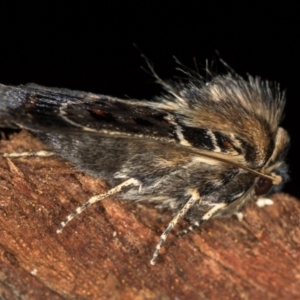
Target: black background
(91, 48)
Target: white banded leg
(212, 211)
(95, 199)
(41, 153)
(204, 218)
(192, 227)
(195, 197)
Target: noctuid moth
(202, 149)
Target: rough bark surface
(104, 253)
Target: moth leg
(192, 227)
(204, 218)
(195, 197)
(239, 215)
(95, 199)
(260, 202)
(41, 153)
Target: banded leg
(95, 199)
(212, 211)
(41, 153)
(191, 228)
(204, 218)
(195, 197)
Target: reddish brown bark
(104, 253)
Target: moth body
(203, 149)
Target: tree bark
(104, 252)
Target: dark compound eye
(263, 186)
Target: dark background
(91, 48)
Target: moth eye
(263, 186)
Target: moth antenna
(95, 199)
(195, 197)
(276, 179)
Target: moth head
(275, 166)
(236, 119)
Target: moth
(201, 149)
